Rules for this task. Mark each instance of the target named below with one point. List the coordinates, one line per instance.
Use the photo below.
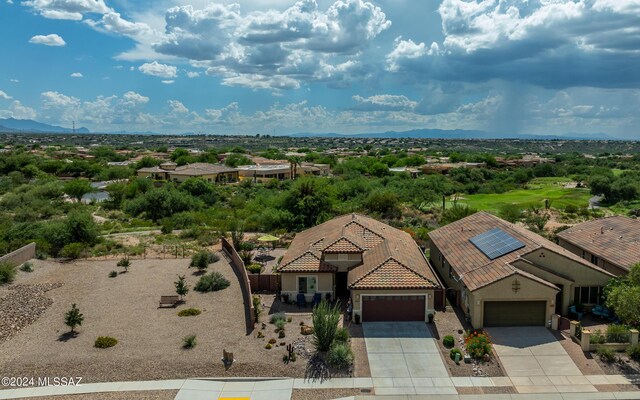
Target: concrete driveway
(404, 359)
(536, 362)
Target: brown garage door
(393, 308)
(514, 313)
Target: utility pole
(74, 127)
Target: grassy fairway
(538, 190)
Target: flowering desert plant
(478, 344)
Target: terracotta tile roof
(379, 243)
(614, 239)
(307, 262)
(472, 266)
(391, 275)
(343, 245)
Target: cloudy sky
(349, 66)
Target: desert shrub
(478, 344)
(200, 260)
(342, 335)
(268, 346)
(280, 323)
(617, 334)
(72, 250)
(453, 353)
(448, 341)
(340, 355)
(7, 272)
(597, 337)
(103, 342)
(189, 312)
(272, 341)
(325, 320)
(634, 352)
(189, 342)
(113, 274)
(605, 354)
(246, 256)
(254, 268)
(212, 282)
(281, 334)
(571, 209)
(277, 316)
(26, 267)
(213, 257)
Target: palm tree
(294, 162)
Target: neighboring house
(266, 172)
(413, 172)
(307, 168)
(169, 171)
(612, 243)
(380, 267)
(502, 274)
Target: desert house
(612, 243)
(502, 274)
(380, 267)
(170, 171)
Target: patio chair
(575, 312)
(317, 298)
(601, 311)
(301, 300)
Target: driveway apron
(404, 359)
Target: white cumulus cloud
(77, 75)
(4, 96)
(67, 9)
(48, 40)
(384, 102)
(159, 70)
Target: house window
(307, 284)
(594, 259)
(588, 295)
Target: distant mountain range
(460, 134)
(12, 125)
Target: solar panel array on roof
(496, 243)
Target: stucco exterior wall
(356, 298)
(503, 291)
(580, 274)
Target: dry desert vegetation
(126, 308)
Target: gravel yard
(126, 307)
(448, 323)
(142, 395)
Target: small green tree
(73, 317)
(124, 263)
(77, 188)
(623, 296)
(325, 320)
(181, 286)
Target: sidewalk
(281, 389)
